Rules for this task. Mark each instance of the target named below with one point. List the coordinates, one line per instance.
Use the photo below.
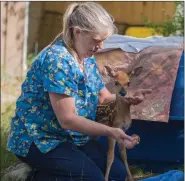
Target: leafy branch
(170, 26)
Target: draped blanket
(157, 71)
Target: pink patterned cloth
(158, 70)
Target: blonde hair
(89, 17)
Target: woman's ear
(76, 32)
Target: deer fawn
(116, 113)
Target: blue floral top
(53, 70)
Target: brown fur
(117, 113)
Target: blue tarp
(173, 175)
(177, 103)
(162, 142)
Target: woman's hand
(129, 145)
(123, 139)
(134, 97)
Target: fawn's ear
(136, 71)
(119, 76)
(111, 72)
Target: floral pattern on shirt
(53, 70)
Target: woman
(52, 127)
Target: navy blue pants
(68, 162)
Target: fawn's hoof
(136, 137)
(129, 178)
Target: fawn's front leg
(124, 159)
(110, 156)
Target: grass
(139, 173)
(10, 90)
(7, 158)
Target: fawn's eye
(116, 82)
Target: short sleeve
(58, 74)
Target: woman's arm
(105, 96)
(64, 108)
(133, 97)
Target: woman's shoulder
(55, 49)
(55, 52)
(58, 47)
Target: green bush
(170, 27)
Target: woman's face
(87, 44)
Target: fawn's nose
(122, 92)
